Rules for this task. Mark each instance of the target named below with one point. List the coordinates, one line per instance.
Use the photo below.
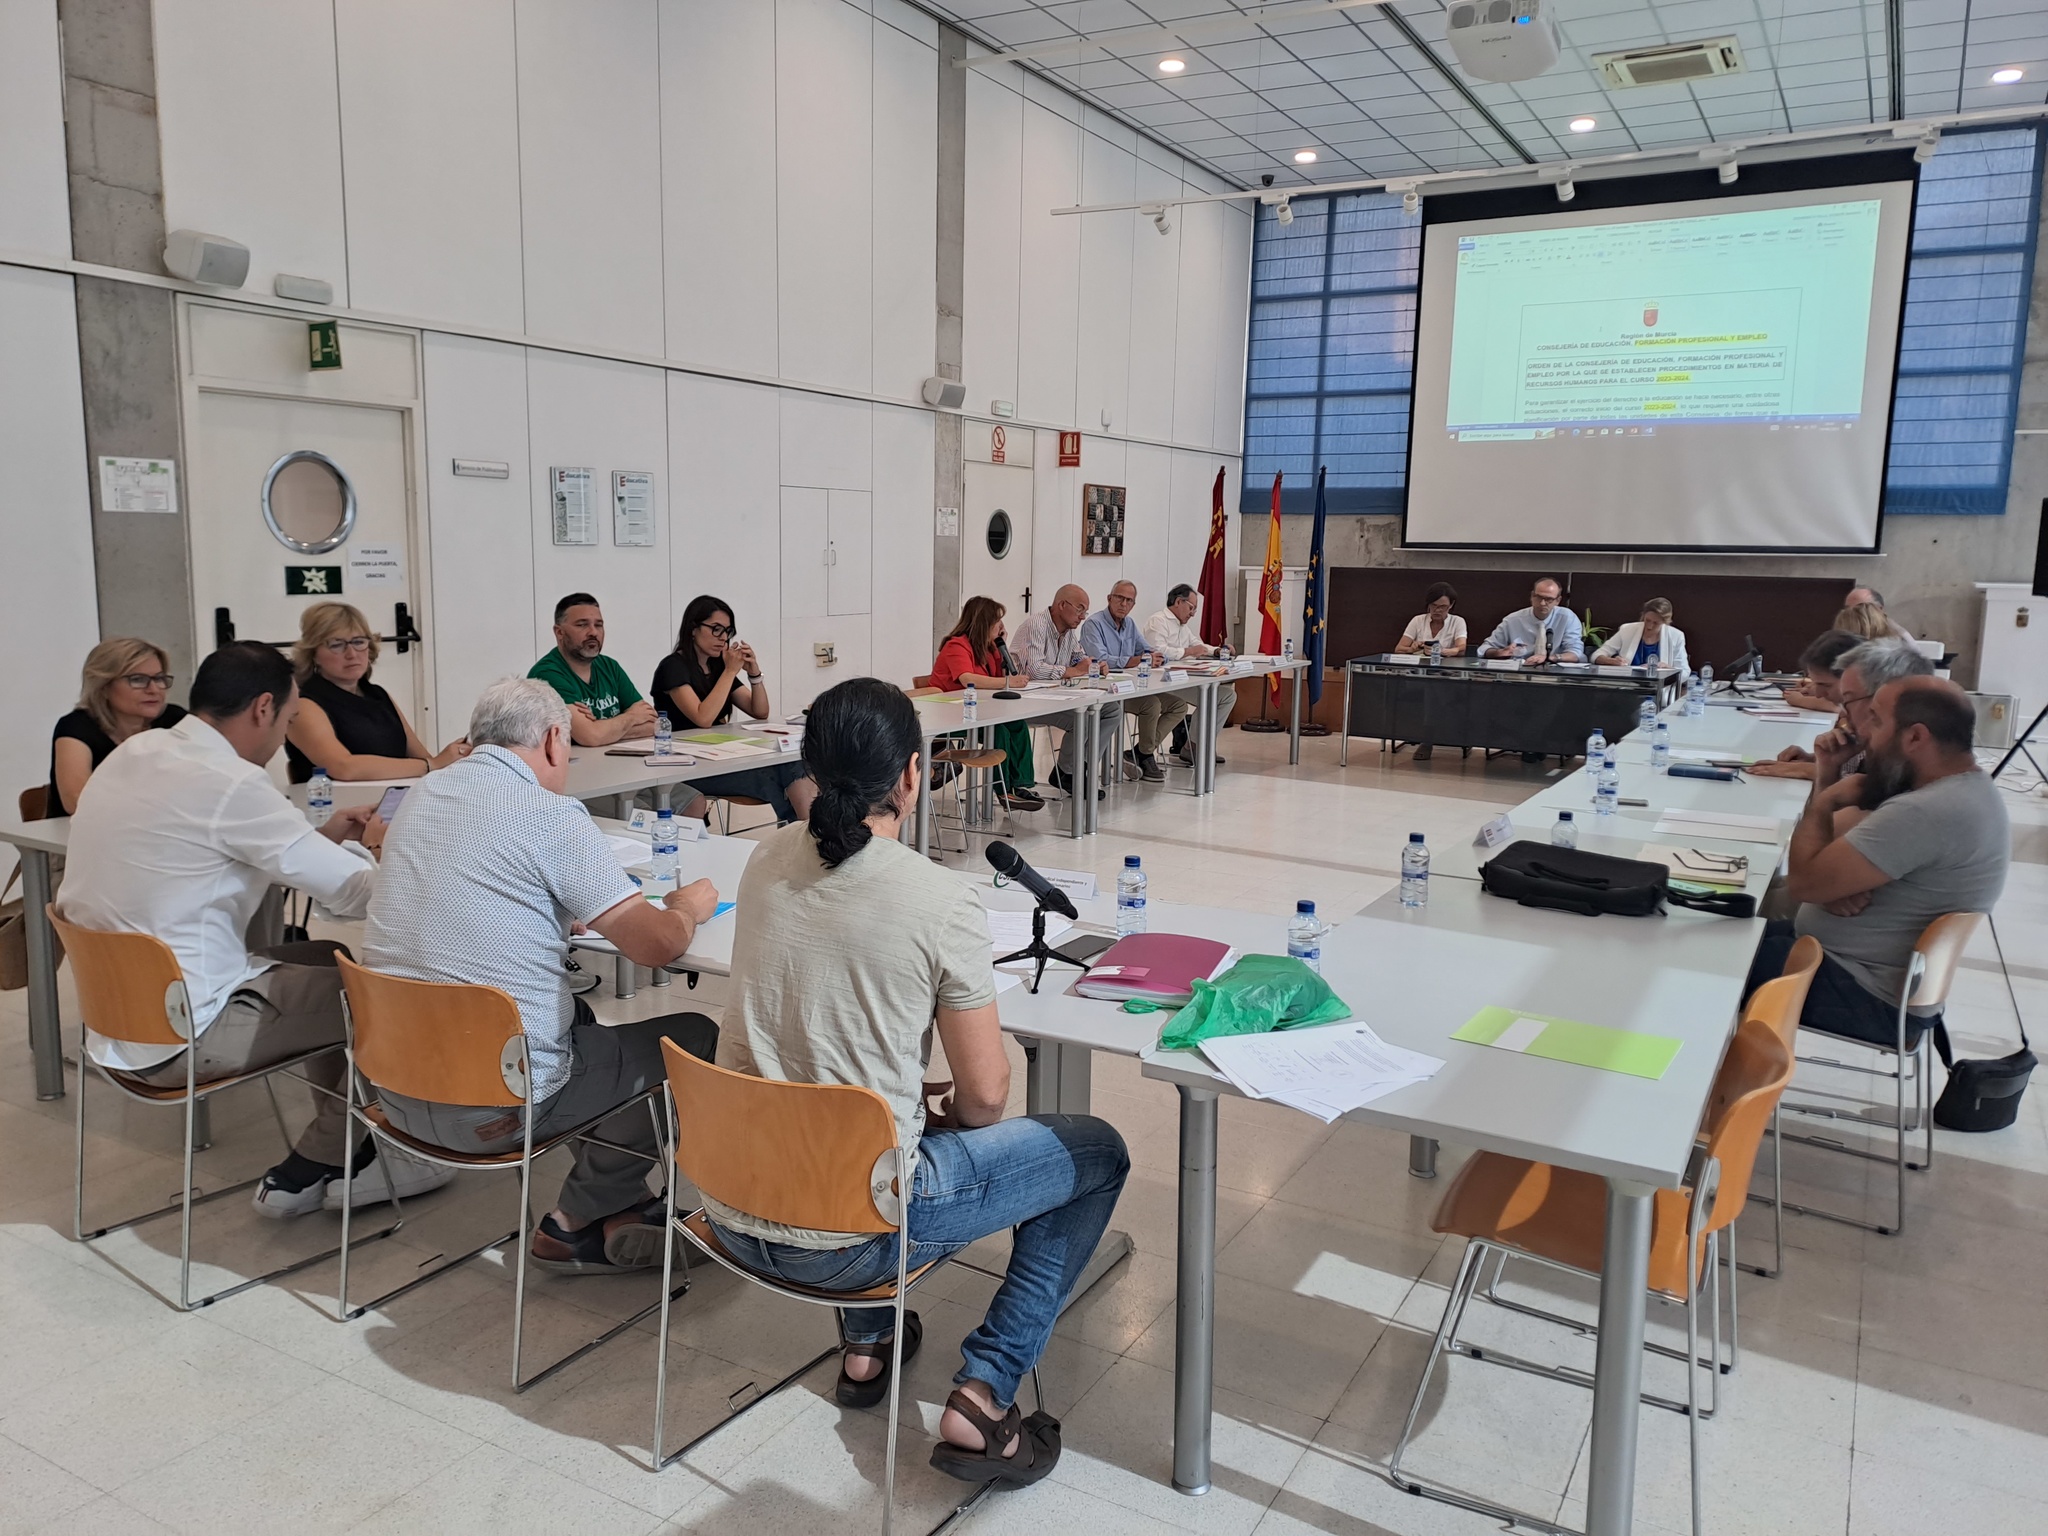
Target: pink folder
(1159, 967)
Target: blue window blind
(1332, 353)
(1964, 334)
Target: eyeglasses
(342, 644)
(141, 680)
(718, 631)
(1846, 699)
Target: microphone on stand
(1009, 863)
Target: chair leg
(185, 1194)
(895, 1392)
(668, 1250)
(78, 1185)
(1734, 1308)
(1692, 1381)
(525, 1217)
(277, 1113)
(1777, 1204)
(1454, 1306)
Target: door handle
(405, 639)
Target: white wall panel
(35, 208)
(1103, 370)
(1198, 329)
(1155, 289)
(251, 134)
(430, 140)
(995, 128)
(590, 172)
(906, 172)
(48, 612)
(480, 616)
(718, 210)
(1233, 300)
(1187, 534)
(903, 615)
(1149, 476)
(1049, 266)
(824, 159)
(724, 532)
(582, 410)
(827, 441)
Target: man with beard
(1934, 841)
(1847, 676)
(604, 706)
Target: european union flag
(1315, 610)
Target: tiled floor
(1886, 1384)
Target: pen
(1626, 801)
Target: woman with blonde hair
(346, 724)
(125, 687)
(1867, 621)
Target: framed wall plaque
(1102, 520)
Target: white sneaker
(280, 1204)
(372, 1185)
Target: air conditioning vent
(1672, 63)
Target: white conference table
(722, 861)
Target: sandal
(865, 1394)
(1038, 1446)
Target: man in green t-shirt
(604, 706)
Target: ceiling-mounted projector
(1502, 39)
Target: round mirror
(999, 534)
(309, 503)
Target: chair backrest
(1941, 945)
(1778, 1002)
(130, 985)
(34, 803)
(1753, 1074)
(814, 1155)
(445, 1042)
(922, 683)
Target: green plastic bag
(1259, 993)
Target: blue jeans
(1837, 1003)
(1054, 1178)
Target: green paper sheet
(716, 738)
(1585, 1045)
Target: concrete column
(111, 146)
(949, 477)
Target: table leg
(1618, 1362)
(625, 982)
(1294, 721)
(43, 1023)
(1344, 735)
(1194, 1335)
(1057, 1081)
(1422, 1156)
(1205, 750)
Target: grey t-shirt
(836, 976)
(1945, 847)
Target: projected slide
(1753, 316)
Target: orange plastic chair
(1778, 1003)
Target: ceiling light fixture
(1929, 142)
(1560, 176)
(1156, 212)
(1172, 66)
(1284, 212)
(2012, 74)
(1583, 124)
(1411, 196)
(1304, 157)
(1722, 158)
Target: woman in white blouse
(1436, 623)
(1652, 641)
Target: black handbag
(1982, 1095)
(1592, 884)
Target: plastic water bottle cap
(1414, 837)
(1564, 815)
(665, 814)
(1305, 908)
(1130, 861)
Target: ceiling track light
(1156, 212)
(1722, 158)
(1284, 213)
(1561, 178)
(1411, 196)
(1929, 142)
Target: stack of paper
(1767, 712)
(1721, 824)
(1009, 932)
(1325, 1072)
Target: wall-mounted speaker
(946, 394)
(202, 258)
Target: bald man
(1935, 841)
(1114, 638)
(1872, 595)
(1048, 644)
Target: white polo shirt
(1169, 637)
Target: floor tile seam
(473, 1451)
(1275, 1489)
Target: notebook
(1160, 967)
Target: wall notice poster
(575, 519)
(1102, 519)
(138, 485)
(632, 509)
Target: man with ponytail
(850, 949)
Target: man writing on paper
(1935, 841)
(1541, 632)
(604, 706)
(1048, 645)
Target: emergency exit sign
(323, 343)
(312, 581)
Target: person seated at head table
(974, 652)
(1866, 666)
(1651, 641)
(1867, 621)
(1049, 647)
(710, 673)
(346, 724)
(604, 706)
(1111, 638)
(1435, 625)
(181, 834)
(1171, 633)
(123, 688)
(495, 868)
(1934, 839)
(1858, 596)
(850, 949)
(1543, 631)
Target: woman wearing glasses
(125, 688)
(346, 723)
(709, 673)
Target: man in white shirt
(1048, 646)
(1172, 633)
(181, 834)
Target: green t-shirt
(609, 691)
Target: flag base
(1314, 728)
(1263, 724)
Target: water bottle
(1596, 744)
(1646, 712)
(1607, 794)
(319, 797)
(970, 705)
(1305, 936)
(1695, 697)
(1415, 872)
(664, 734)
(663, 880)
(1287, 650)
(1130, 898)
(1145, 670)
(1660, 747)
(1566, 833)
(1706, 682)
(1436, 652)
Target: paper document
(1721, 824)
(1009, 932)
(1718, 759)
(1763, 712)
(1325, 1072)
(714, 752)
(1584, 1045)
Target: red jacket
(956, 657)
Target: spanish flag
(1269, 595)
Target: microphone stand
(1039, 950)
